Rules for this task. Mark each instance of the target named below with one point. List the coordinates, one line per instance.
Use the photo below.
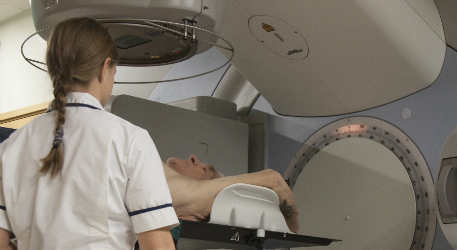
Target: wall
(21, 84)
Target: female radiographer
(78, 177)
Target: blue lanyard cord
(77, 105)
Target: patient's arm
(193, 199)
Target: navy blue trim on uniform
(3, 208)
(77, 105)
(5, 133)
(149, 209)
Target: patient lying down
(194, 186)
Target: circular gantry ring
(379, 136)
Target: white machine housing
(139, 43)
(322, 58)
(179, 133)
(336, 56)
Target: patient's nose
(194, 159)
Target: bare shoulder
(191, 198)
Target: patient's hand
(287, 203)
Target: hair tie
(58, 138)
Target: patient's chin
(172, 161)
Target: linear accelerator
(306, 58)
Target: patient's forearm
(193, 199)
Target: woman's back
(107, 164)
(79, 177)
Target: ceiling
(10, 8)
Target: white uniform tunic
(112, 185)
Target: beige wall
(21, 85)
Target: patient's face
(193, 168)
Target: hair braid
(76, 51)
(53, 162)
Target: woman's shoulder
(112, 118)
(120, 126)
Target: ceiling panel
(7, 11)
(21, 4)
(10, 8)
